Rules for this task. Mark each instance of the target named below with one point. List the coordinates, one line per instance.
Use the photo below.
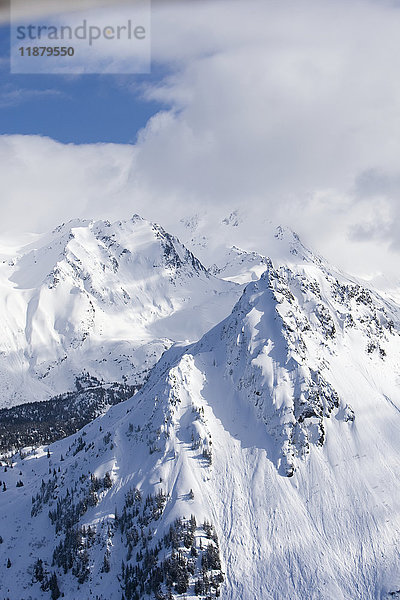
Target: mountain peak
(257, 443)
(263, 440)
(232, 246)
(107, 298)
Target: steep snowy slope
(100, 298)
(265, 455)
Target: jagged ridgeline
(100, 297)
(261, 461)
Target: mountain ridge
(125, 291)
(260, 461)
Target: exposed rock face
(261, 461)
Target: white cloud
(12, 96)
(284, 108)
(44, 182)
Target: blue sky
(77, 109)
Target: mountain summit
(100, 298)
(261, 461)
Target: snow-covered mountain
(261, 461)
(237, 240)
(99, 298)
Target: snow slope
(278, 431)
(236, 246)
(100, 298)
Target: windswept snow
(278, 431)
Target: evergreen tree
(38, 571)
(107, 480)
(106, 564)
(55, 590)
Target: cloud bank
(289, 111)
